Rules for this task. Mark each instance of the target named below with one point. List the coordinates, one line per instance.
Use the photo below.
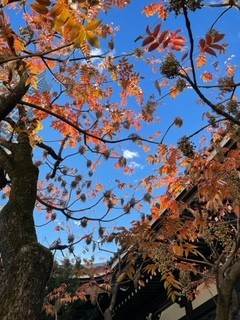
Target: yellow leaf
(94, 24)
(56, 9)
(39, 126)
(74, 33)
(28, 81)
(34, 83)
(64, 16)
(72, 23)
(80, 38)
(35, 125)
(92, 39)
(31, 80)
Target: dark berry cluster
(226, 84)
(170, 66)
(181, 84)
(186, 146)
(178, 5)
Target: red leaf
(202, 43)
(148, 40)
(217, 46)
(148, 31)
(210, 51)
(156, 30)
(218, 37)
(208, 38)
(166, 42)
(153, 46)
(162, 36)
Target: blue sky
(133, 24)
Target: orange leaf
(201, 60)
(155, 8)
(4, 2)
(207, 76)
(57, 9)
(39, 8)
(174, 92)
(18, 45)
(178, 250)
(230, 70)
(146, 148)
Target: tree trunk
(228, 300)
(27, 264)
(108, 313)
(222, 310)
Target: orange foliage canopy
(190, 196)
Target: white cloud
(96, 52)
(134, 165)
(130, 154)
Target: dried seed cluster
(186, 146)
(170, 66)
(178, 5)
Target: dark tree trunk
(222, 310)
(27, 264)
(228, 300)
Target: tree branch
(9, 102)
(85, 132)
(209, 103)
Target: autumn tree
(55, 41)
(93, 103)
(192, 233)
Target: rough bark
(26, 263)
(9, 102)
(226, 285)
(222, 310)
